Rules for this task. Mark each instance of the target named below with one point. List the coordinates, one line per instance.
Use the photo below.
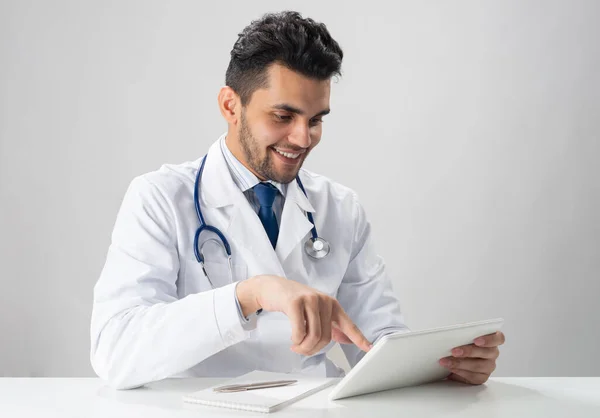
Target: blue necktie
(266, 193)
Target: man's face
(284, 118)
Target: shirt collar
(243, 177)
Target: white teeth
(287, 154)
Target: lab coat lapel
(294, 224)
(246, 230)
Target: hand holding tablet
(413, 358)
(474, 363)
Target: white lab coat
(155, 314)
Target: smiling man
(241, 259)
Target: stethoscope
(316, 247)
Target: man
(158, 312)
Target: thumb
(458, 378)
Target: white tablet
(409, 358)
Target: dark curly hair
(298, 43)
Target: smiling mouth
(287, 157)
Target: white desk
(499, 397)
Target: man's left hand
(474, 363)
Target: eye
(282, 118)
(316, 121)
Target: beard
(264, 166)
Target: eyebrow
(292, 109)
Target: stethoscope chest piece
(317, 247)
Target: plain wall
(469, 130)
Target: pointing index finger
(348, 327)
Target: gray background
(469, 130)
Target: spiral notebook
(261, 400)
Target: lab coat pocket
(195, 280)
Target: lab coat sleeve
(140, 330)
(365, 292)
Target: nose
(301, 136)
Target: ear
(229, 105)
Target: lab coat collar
(217, 188)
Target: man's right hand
(316, 318)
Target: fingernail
(457, 352)
(445, 362)
(479, 341)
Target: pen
(253, 386)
